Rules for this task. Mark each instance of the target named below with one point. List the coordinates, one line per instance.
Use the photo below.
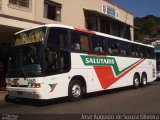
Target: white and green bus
(53, 61)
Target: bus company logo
(52, 86)
(98, 61)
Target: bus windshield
(26, 61)
(32, 57)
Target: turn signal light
(37, 85)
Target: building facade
(99, 15)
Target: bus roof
(84, 30)
(46, 25)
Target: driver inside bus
(52, 60)
(30, 58)
(29, 55)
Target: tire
(7, 99)
(75, 90)
(143, 80)
(136, 81)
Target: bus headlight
(29, 85)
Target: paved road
(125, 100)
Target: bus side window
(124, 48)
(148, 52)
(51, 61)
(79, 41)
(142, 51)
(113, 47)
(98, 44)
(64, 61)
(58, 37)
(84, 42)
(134, 50)
(75, 41)
(151, 53)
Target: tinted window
(134, 50)
(98, 44)
(84, 42)
(113, 47)
(58, 37)
(151, 53)
(57, 61)
(124, 48)
(142, 51)
(79, 41)
(148, 52)
(52, 56)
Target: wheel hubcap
(136, 82)
(76, 90)
(144, 81)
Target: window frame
(18, 5)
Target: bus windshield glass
(30, 36)
(26, 61)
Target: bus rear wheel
(75, 90)
(143, 80)
(136, 81)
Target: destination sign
(31, 37)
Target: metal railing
(24, 5)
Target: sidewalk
(2, 96)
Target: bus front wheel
(75, 90)
(7, 98)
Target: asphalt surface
(118, 101)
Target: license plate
(20, 93)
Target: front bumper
(31, 93)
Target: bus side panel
(100, 77)
(96, 76)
